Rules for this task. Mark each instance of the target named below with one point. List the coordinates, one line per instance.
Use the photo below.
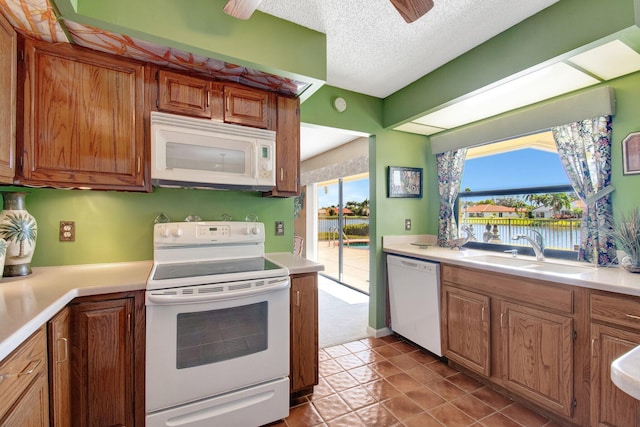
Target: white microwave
(199, 153)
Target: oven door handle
(159, 299)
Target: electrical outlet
(407, 224)
(279, 228)
(67, 231)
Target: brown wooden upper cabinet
(83, 119)
(287, 148)
(202, 97)
(249, 107)
(188, 95)
(7, 101)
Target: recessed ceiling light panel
(548, 82)
(611, 60)
(418, 128)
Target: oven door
(201, 343)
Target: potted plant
(627, 235)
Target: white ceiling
(373, 51)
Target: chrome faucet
(537, 243)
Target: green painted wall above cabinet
(118, 226)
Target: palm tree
(20, 228)
(559, 201)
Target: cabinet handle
(227, 103)
(631, 316)
(208, 100)
(66, 350)
(483, 308)
(33, 365)
(138, 164)
(502, 320)
(281, 174)
(298, 298)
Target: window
(516, 187)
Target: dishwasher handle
(413, 264)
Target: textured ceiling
(372, 50)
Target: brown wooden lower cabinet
(518, 334)
(466, 326)
(101, 383)
(538, 355)
(615, 329)
(59, 369)
(24, 400)
(304, 332)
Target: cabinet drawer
(21, 368)
(619, 310)
(547, 295)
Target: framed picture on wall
(404, 182)
(631, 154)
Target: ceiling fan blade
(411, 10)
(241, 9)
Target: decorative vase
(19, 229)
(629, 264)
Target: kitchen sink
(527, 264)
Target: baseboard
(377, 333)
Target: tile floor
(390, 382)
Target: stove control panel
(207, 232)
(212, 231)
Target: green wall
(118, 226)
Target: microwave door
(208, 159)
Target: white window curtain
(450, 165)
(585, 151)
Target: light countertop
(613, 279)
(625, 372)
(28, 302)
(295, 264)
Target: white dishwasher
(414, 300)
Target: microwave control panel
(266, 161)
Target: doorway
(343, 230)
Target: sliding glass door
(343, 230)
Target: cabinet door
(249, 107)
(83, 119)
(102, 357)
(32, 410)
(538, 355)
(466, 326)
(304, 331)
(610, 406)
(59, 370)
(178, 93)
(7, 101)
(287, 148)
(23, 385)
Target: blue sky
(514, 169)
(353, 191)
